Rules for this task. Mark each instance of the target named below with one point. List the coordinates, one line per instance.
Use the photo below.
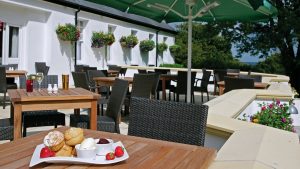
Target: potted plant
(129, 41)
(275, 115)
(67, 32)
(162, 47)
(109, 39)
(147, 45)
(174, 49)
(98, 39)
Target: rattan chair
(204, 84)
(141, 87)
(110, 121)
(168, 82)
(42, 67)
(142, 71)
(6, 129)
(232, 83)
(219, 75)
(42, 117)
(4, 85)
(181, 86)
(123, 71)
(170, 121)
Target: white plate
(35, 159)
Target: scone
(73, 136)
(65, 151)
(54, 140)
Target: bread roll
(74, 136)
(54, 140)
(65, 151)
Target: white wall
(39, 20)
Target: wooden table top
(259, 85)
(20, 95)
(143, 153)
(112, 79)
(15, 73)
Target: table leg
(17, 121)
(93, 117)
(163, 81)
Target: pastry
(65, 151)
(73, 136)
(54, 140)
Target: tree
(280, 35)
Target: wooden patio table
(257, 85)
(143, 153)
(15, 73)
(109, 81)
(112, 73)
(74, 98)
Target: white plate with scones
(71, 147)
(35, 159)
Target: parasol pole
(190, 3)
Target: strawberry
(46, 152)
(110, 156)
(119, 151)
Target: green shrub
(174, 49)
(67, 32)
(171, 65)
(147, 45)
(162, 47)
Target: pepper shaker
(55, 88)
(49, 88)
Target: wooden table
(257, 85)
(112, 73)
(164, 78)
(15, 73)
(109, 81)
(74, 98)
(143, 153)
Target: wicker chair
(103, 90)
(4, 85)
(142, 71)
(181, 87)
(123, 71)
(42, 67)
(232, 83)
(170, 121)
(204, 84)
(6, 129)
(219, 75)
(42, 117)
(109, 122)
(141, 87)
(168, 82)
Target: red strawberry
(46, 152)
(119, 151)
(110, 156)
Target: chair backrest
(123, 71)
(42, 67)
(233, 70)
(118, 93)
(205, 79)
(142, 85)
(97, 73)
(81, 80)
(155, 83)
(48, 79)
(181, 86)
(143, 71)
(79, 68)
(232, 83)
(162, 71)
(170, 121)
(219, 75)
(114, 67)
(3, 83)
(257, 78)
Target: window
(151, 36)
(80, 26)
(13, 48)
(165, 39)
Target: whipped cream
(87, 144)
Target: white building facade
(28, 36)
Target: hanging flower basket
(174, 49)
(99, 39)
(161, 47)
(129, 41)
(147, 45)
(109, 39)
(67, 32)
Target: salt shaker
(49, 88)
(55, 88)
